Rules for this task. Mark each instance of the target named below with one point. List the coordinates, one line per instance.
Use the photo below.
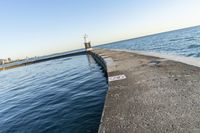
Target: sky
(39, 27)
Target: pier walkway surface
(151, 95)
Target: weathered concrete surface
(158, 95)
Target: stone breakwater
(149, 94)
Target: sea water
(58, 96)
(183, 42)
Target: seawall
(148, 94)
(40, 59)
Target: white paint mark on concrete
(118, 77)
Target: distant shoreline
(40, 59)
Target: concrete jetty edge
(155, 94)
(99, 59)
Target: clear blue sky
(39, 27)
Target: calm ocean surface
(59, 96)
(185, 42)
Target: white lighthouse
(87, 43)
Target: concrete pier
(152, 95)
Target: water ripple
(53, 96)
